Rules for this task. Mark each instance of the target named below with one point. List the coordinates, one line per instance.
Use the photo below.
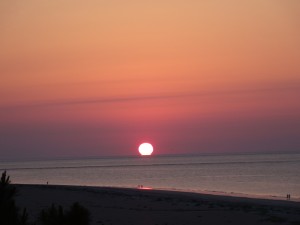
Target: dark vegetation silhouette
(10, 213)
(76, 215)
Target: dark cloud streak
(295, 87)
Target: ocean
(251, 174)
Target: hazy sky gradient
(98, 78)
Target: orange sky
(211, 75)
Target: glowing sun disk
(146, 149)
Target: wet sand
(129, 206)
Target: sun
(146, 149)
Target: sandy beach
(129, 206)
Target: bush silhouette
(52, 216)
(77, 215)
(9, 213)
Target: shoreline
(133, 205)
(234, 194)
(186, 191)
(241, 195)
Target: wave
(145, 165)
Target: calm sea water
(259, 174)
